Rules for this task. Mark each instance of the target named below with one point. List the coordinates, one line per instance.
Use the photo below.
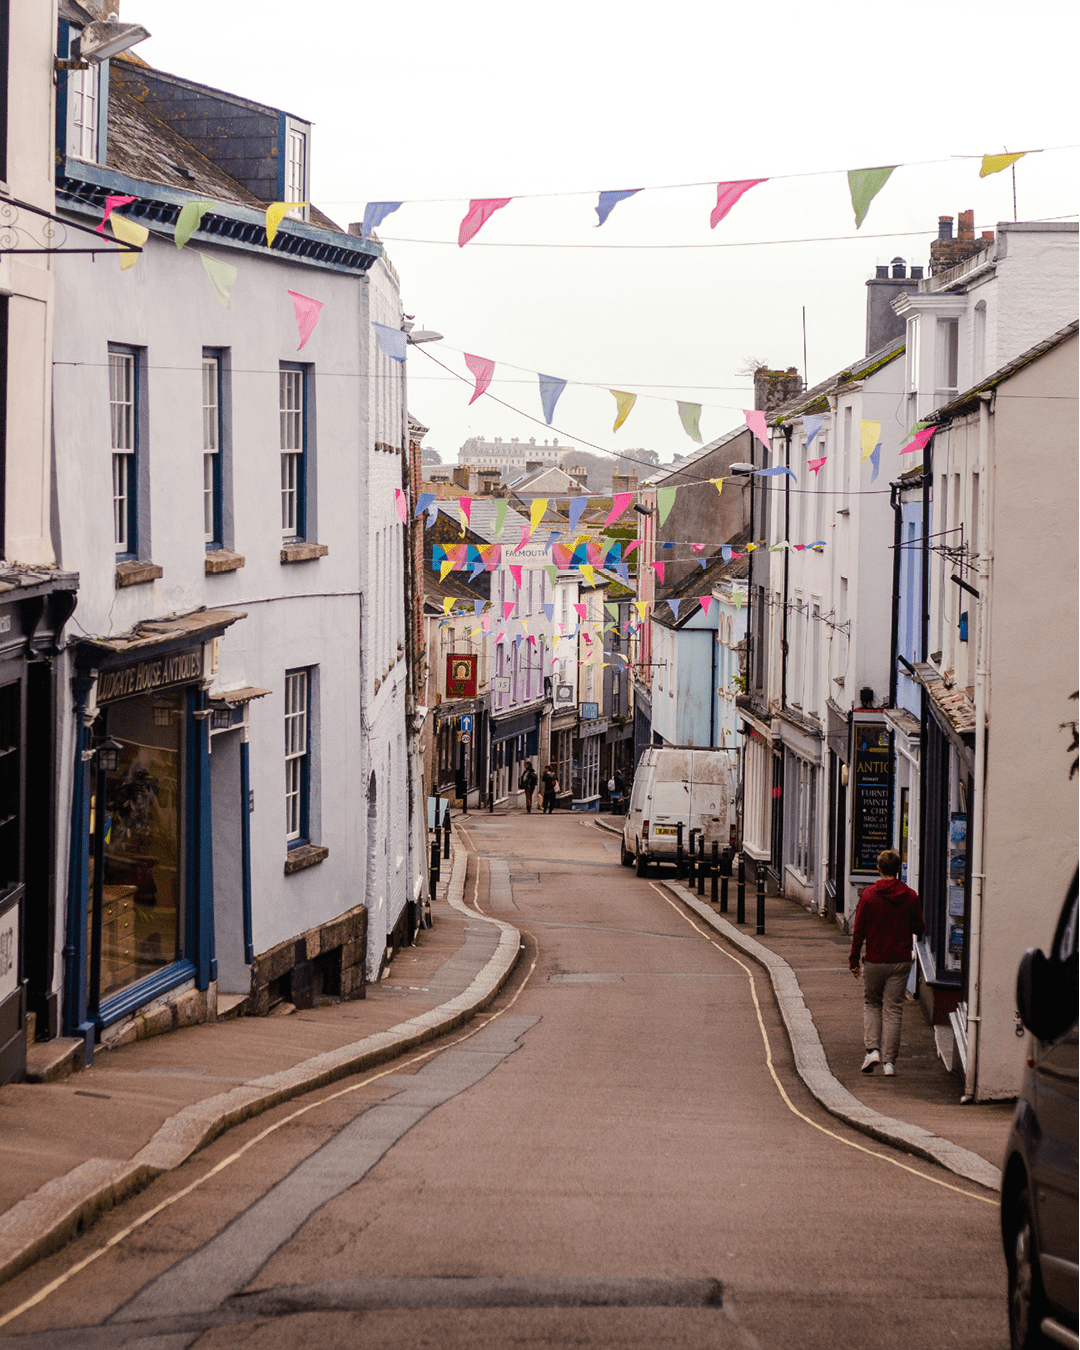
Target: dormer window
(84, 108)
(296, 178)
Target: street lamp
(108, 756)
(106, 37)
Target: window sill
(135, 573)
(304, 855)
(294, 553)
(222, 560)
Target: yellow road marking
(873, 1153)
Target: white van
(696, 787)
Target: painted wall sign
(871, 806)
(142, 677)
(461, 676)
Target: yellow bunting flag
(719, 485)
(624, 403)
(448, 602)
(275, 214)
(536, 513)
(995, 163)
(587, 573)
(445, 568)
(222, 277)
(641, 606)
(871, 434)
(128, 233)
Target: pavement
(71, 1149)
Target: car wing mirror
(1039, 995)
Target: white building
(513, 457)
(236, 761)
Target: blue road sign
(466, 722)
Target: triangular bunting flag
(727, 194)
(587, 573)
(718, 484)
(508, 609)
(189, 220)
(515, 572)
(619, 502)
(658, 568)
(995, 163)
(553, 574)
(755, 420)
(609, 200)
(423, 502)
(875, 461)
(551, 388)
(690, 415)
(307, 314)
(374, 215)
(865, 184)
(402, 504)
(111, 203)
(480, 211)
(465, 507)
(665, 500)
(706, 601)
(129, 233)
(811, 426)
(919, 441)
(577, 508)
(483, 369)
(222, 278)
(624, 402)
(549, 612)
(501, 507)
(815, 465)
(392, 341)
(871, 434)
(675, 607)
(275, 214)
(536, 512)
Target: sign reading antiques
(142, 677)
(461, 676)
(871, 824)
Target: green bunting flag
(222, 278)
(665, 500)
(689, 415)
(189, 220)
(865, 184)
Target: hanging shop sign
(461, 676)
(872, 798)
(145, 676)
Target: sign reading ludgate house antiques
(142, 677)
(872, 800)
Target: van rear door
(710, 796)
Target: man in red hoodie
(888, 917)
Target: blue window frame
(213, 437)
(125, 418)
(293, 413)
(297, 756)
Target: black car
(1039, 1185)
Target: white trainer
(889, 1071)
(873, 1057)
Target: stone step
(46, 1061)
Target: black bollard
(701, 863)
(678, 850)
(740, 891)
(760, 870)
(714, 872)
(436, 870)
(491, 794)
(690, 859)
(446, 832)
(725, 873)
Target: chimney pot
(966, 227)
(916, 273)
(944, 227)
(899, 269)
(882, 271)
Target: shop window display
(137, 924)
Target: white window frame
(297, 753)
(291, 411)
(84, 112)
(123, 429)
(295, 150)
(211, 422)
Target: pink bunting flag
(918, 442)
(508, 608)
(755, 420)
(111, 203)
(515, 572)
(659, 569)
(634, 543)
(619, 502)
(532, 639)
(697, 547)
(525, 533)
(706, 601)
(307, 314)
(465, 506)
(483, 369)
(727, 194)
(814, 465)
(480, 211)
(402, 505)
(581, 611)
(500, 637)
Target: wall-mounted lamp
(106, 37)
(108, 756)
(643, 510)
(741, 468)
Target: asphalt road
(605, 1158)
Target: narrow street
(602, 1158)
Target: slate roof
(699, 583)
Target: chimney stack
(947, 252)
(883, 325)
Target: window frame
(215, 539)
(292, 127)
(295, 838)
(133, 453)
(299, 455)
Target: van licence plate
(665, 829)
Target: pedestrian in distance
(617, 788)
(527, 783)
(888, 916)
(549, 785)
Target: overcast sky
(435, 100)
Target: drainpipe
(714, 694)
(982, 693)
(76, 935)
(787, 562)
(245, 847)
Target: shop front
(140, 901)
(586, 767)
(561, 757)
(515, 739)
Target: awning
(233, 697)
(157, 636)
(952, 709)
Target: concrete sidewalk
(806, 957)
(72, 1148)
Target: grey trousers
(883, 1006)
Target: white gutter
(982, 696)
